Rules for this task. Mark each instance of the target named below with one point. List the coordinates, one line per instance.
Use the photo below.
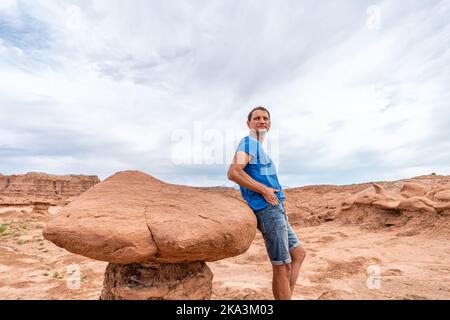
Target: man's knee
(298, 254)
(283, 270)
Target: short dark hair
(250, 115)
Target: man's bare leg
(297, 255)
(280, 282)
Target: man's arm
(237, 174)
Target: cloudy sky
(358, 90)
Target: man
(255, 173)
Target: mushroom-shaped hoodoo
(156, 236)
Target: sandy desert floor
(339, 263)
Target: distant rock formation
(421, 201)
(42, 189)
(132, 219)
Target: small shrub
(2, 229)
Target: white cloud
(103, 85)
(8, 5)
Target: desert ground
(348, 256)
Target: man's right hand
(270, 197)
(237, 174)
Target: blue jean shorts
(278, 235)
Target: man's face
(260, 121)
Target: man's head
(259, 120)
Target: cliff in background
(32, 188)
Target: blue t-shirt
(262, 169)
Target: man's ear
(248, 124)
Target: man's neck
(258, 135)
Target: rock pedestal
(154, 281)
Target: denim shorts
(278, 235)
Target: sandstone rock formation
(413, 200)
(145, 281)
(42, 188)
(320, 204)
(133, 218)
